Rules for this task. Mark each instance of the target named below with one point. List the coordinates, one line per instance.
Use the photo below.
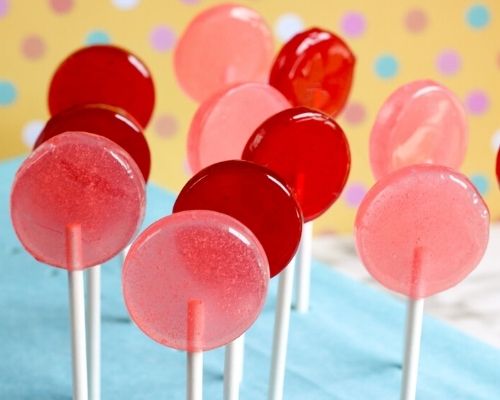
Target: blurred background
(455, 42)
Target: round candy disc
(422, 229)
(77, 178)
(223, 124)
(498, 166)
(195, 256)
(309, 151)
(256, 197)
(315, 69)
(223, 45)
(105, 75)
(421, 122)
(110, 122)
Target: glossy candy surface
(110, 122)
(498, 166)
(309, 151)
(315, 69)
(77, 178)
(421, 122)
(195, 256)
(103, 75)
(223, 45)
(256, 197)
(422, 229)
(223, 124)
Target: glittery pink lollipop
(419, 231)
(195, 280)
(76, 202)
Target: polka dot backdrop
(454, 42)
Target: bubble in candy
(110, 122)
(256, 197)
(223, 124)
(309, 151)
(422, 229)
(315, 69)
(223, 45)
(77, 178)
(195, 257)
(107, 75)
(421, 122)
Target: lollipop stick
(77, 311)
(303, 281)
(240, 362)
(94, 331)
(195, 327)
(281, 328)
(232, 369)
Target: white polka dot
(125, 4)
(287, 26)
(30, 132)
(495, 141)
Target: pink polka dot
(353, 24)
(448, 62)
(354, 194)
(477, 102)
(416, 20)
(166, 125)
(354, 113)
(61, 6)
(498, 59)
(162, 38)
(190, 1)
(4, 8)
(33, 47)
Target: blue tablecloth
(347, 348)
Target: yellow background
(447, 28)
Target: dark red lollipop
(103, 120)
(498, 166)
(309, 150)
(256, 197)
(106, 75)
(315, 69)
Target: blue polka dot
(478, 16)
(386, 66)
(8, 93)
(481, 183)
(97, 37)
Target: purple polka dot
(448, 62)
(162, 38)
(4, 8)
(477, 102)
(354, 194)
(353, 24)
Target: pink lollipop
(195, 280)
(421, 122)
(223, 124)
(223, 45)
(419, 231)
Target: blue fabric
(348, 347)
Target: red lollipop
(256, 197)
(315, 69)
(498, 166)
(112, 123)
(105, 75)
(309, 150)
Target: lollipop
(194, 281)
(315, 69)
(223, 124)
(420, 231)
(310, 152)
(223, 45)
(75, 203)
(497, 170)
(103, 75)
(421, 122)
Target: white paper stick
(304, 258)
(195, 375)
(94, 331)
(281, 328)
(240, 362)
(195, 329)
(232, 364)
(412, 348)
